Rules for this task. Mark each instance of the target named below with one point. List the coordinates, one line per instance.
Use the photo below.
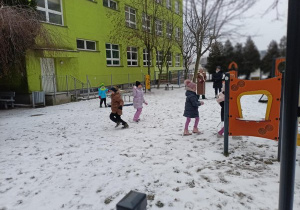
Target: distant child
(138, 100)
(116, 108)
(102, 90)
(191, 107)
(220, 100)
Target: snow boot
(220, 133)
(125, 125)
(118, 123)
(195, 130)
(186, 133)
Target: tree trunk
(196, 68)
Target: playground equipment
(232, 69)
(237, 125)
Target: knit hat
(137, 83)
(113, 89)
(102, 84)
(189, 84)
(218, 67)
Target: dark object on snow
(133, 201)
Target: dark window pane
(40, 3)
(128, 55)
(116, 62)
(80, 44)
(54, 18)
(42, 15)
(128, 63)
(108, 62)
(115, 54)
(54, 5)
(108, 54)
(90, 45)
(107, 46)
(105, 3)
(113, 5)
(134, 56)
(115, 47)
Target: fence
(173, 77)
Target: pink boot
(186, 133)
(220, 133)
(195, 130)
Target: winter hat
(102, 85)
(189, 84)
(137, 83)
(113, 89)
(218, 67)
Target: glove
(99, 97)
(120, 107)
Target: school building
(88, 52)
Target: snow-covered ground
(72, 157)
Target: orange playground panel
(265, 128)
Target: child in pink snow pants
(191, 107)
(138, 100)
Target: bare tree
(20, 30)
(210, 20)
(186, 44)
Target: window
(146, 22)
(158, 27)
(177, 33)
(112, 54)
(177, 59)
(169, 59)
(86, 45)
(159, 58)
(130, 17)
(146, 58)
(169, 4)
(50, 11)
(111, 4)
(169, 30)
(177, 7)
(132, 56)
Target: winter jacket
(191, 105)
(217, 79)
(116, 103)
(138, 97)
(102, 92)
(201, 78)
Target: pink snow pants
(188, 120)
(137, 114)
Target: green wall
(88, 20)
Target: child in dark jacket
(191, 107)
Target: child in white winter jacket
(138, 100)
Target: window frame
(159, 54)
(177, 6)
(128, 22)
(145, 55)
(169, 4)
(132, 52)
(170, 62)
(169, 30)
(47, 10)
(145, 19)
(157, 32)
(177, 33)
(177, 59)
(109, 4)
(111, 51)
(85, 45)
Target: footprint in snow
(189, 205)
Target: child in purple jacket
(138, 100)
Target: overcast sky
(265, 28)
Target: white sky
(265, 28)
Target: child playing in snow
(102, 90)
(220, 100)
(116, 108)
(138, 100)
(191, 107)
